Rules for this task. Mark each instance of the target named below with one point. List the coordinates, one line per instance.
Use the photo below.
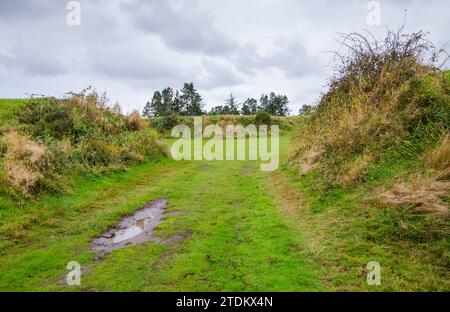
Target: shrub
(59, 135)
(27, 163)
(384, 95)
(262, 117)
(164, 124)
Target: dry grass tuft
(439, 157)
(423, 194)
(383, 94)
(25, 162)
(309, 160)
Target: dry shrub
(64, 146)
(25, 162)
(424, 194)
(77, 134)
(439, 157)
(310, 160)
(383, 93)
(134, 121)
(356, 169)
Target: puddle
(132, 230)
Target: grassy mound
(44, 140)
(384, 123)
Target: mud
(134, 229)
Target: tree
(191, 100)
(147, 112)
(218, 110)
(306, 109)
(156, 106)
(276, 105)
(249, 107)
(177, 105)
(231, 105)
(167, 101)
(264, 102)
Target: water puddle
(132, 230)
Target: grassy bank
(373, 161)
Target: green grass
(243, 230)
(8, 107)
(346, 230)
(235, 237)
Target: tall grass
(383, 125)
(51, 138)
(384, 95)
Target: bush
(82, 131)
(384, 95)
(262, 117)
(28, 164)
(164, 124)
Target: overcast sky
(130, 48)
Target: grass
(243, 230)
(235, 238)
(8, 107)
(346, 231)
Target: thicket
(50, 139)
(388, 105)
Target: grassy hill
(45, 141)
(373, 162)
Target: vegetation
(376, 145)
(165, 124)
(48, 137)
(365, 176)
(275, 105)
(188, 102)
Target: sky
(130, 48)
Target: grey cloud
(124, 61)
(132, 47)
(217, 74)
(29, 8)
(289, 56)
(35, 60)
(181, 25)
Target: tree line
(188, 102)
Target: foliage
(51, 137)
(249, 107)
(306, 110)
(263, 117)
(186, 101)
(386, 109)
(276, 105)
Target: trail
(234, 239)
(231, 236)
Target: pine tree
(191, 100)
(156, 106)
(177, 105)
(147, 112)
(276, 105)
(167, 101)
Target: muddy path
(133, 229)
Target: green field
(242, 230)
